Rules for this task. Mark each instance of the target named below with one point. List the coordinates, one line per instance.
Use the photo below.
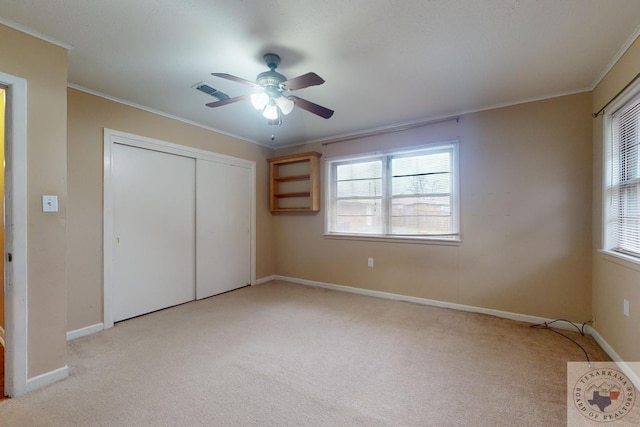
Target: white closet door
(223, 216)
(154, 230)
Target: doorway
(14, 121)
(2, 342)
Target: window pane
(629, 219)
(362, 179)
(421, 215)
(422, 184)
(362, 170)
(432, 162)
(360, 188)
(630, 167)
(424, 174)
(359, 216)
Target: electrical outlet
(370, 262)
(625, 307)
(593, 321)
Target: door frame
(16, 305)
(112, 137)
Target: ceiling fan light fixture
(259, 100)
(270, 111)
(285, 104)
(269, 89)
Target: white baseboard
(625, 366)
(82, 332)
(266, 279)
(47, 379)
(442, 304)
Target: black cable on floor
(545, 325)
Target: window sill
(621, 259)
(395, 239)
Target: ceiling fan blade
(228, 101)
(300, 82)
(236, 79)
(319, 110)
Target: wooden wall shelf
(294, 183)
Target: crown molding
(36, 34)
(623, 49)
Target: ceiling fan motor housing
(271, 80)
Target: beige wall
(525, 218)
(44, 66)
(88, 115)
(613, 280)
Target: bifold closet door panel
(154, 230)
(223, 223)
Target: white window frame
(330, 189)
(609, 211)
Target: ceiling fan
(272, 92)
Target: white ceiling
(385, 63)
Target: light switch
(49, 203)
(625, 307)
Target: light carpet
(282, 354)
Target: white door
(154, 230)
(223, 216)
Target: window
(408, 194)
(622, 179)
